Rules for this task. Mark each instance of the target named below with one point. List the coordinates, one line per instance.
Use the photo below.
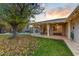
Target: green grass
(51, 47)
(36, 46)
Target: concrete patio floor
(53, 36)
(74, 46)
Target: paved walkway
(74, 46)
(54, 36)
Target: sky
(55, 10)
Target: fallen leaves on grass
(21, 46)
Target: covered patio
(56, 27)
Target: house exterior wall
(75, 29)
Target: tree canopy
(19, 12)
(16, 14)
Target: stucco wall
(75, 29)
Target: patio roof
(59, 20)
(74, 14)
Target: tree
(17, 14)
(4, 27)
(1, 27)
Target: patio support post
(48, 26)
(69, 30)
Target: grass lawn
(51, 47)
(36, 46)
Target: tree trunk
(14, 32)
(0, 30)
